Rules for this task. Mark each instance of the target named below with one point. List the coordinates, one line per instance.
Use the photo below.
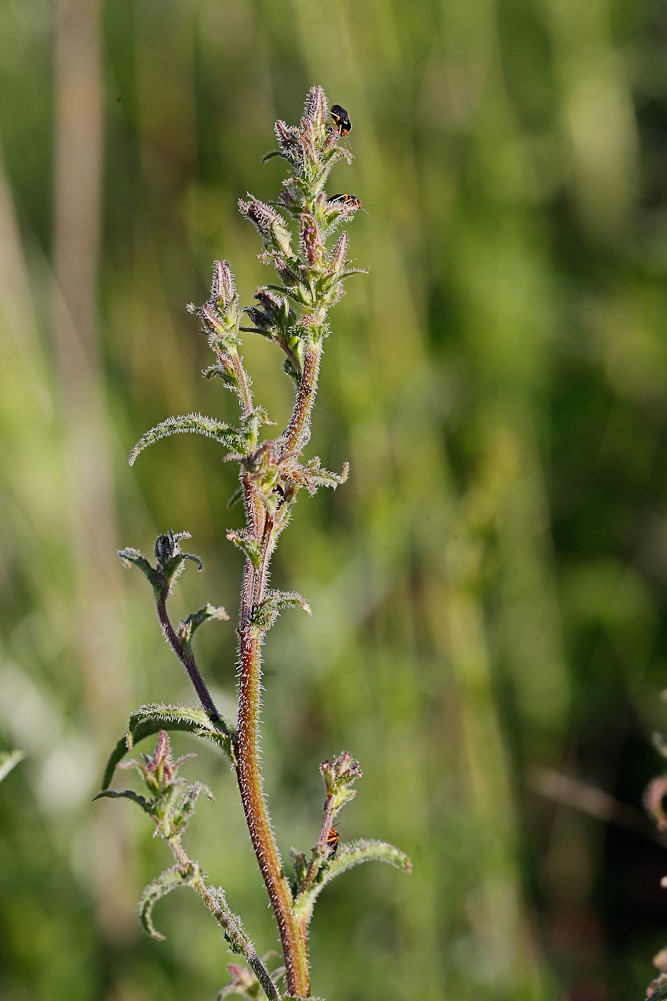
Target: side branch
(187, 658)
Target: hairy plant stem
(296, 433)
(293, 934)
(187, 659)
(226, 921)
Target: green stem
(229, 922)
(321, 852)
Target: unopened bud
(339, 254)
(212, 319)
(223, 289)
(288, 138)
(316, 109)
(263, 216)
(313, 244)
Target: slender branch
(187, 658)
(228, 922)
(321, 849)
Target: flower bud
(288, 139)
(316, 110)
(223, 289)
(339, 254)
(311, 238)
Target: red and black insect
(341, 119)
(343, 199)
(333, 837)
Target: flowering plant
(296, 232)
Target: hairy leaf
(247, 543)
(149, 719)
(188, 627)
(133, 557)
(266, 613)
(184, 808)
(170, 879)
(194, 423)
(350, 854)
(141, 801)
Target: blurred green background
(488, 588)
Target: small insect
(341, 119)
(343, 199)
(333, 837)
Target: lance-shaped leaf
(9, 760)
(133, 557)
(170, 879)
(184, 808)
(141, 801)
(149, 719)
(223, 433)
(313, 476)
(265, 614)
(188, 627)
(247, 543)
(348, 855)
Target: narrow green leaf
(235, 498)
(352, 271)
(172, 569)
(188, 627)
(194, 423)
(184, 807)
(9, 760)
(170, 879)
(141, 801)
(133, 557)
(149, 719)
(247, 543)
(348, 855)
(272, 154)
(266, 613)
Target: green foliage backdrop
(488, 588)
